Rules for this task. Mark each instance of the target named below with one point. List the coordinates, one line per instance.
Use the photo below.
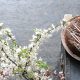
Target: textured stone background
(22, 16)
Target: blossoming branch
(23, 61)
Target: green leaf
(24, 53)
(42, 64)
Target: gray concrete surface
(22, 16)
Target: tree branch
(8, 57)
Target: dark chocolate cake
(72, 35)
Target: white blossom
(49, 29)
(2, 58)
(18, 50)
(29, 68)
(8, 29)
(15, 56)
(31, 45)
(13, 37)
(1, 33)
(58, 28)
(3, 64)
(22, 60)
(11, 66)
(6, 72)
(40, 59)
(43, 70)
(33, 36)
(6, 49)
(38, 31)
(25, 47)
(53, 26)
(36, 74)
(45, 31)
(67, 17)
(4, 31)
(1, 24)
